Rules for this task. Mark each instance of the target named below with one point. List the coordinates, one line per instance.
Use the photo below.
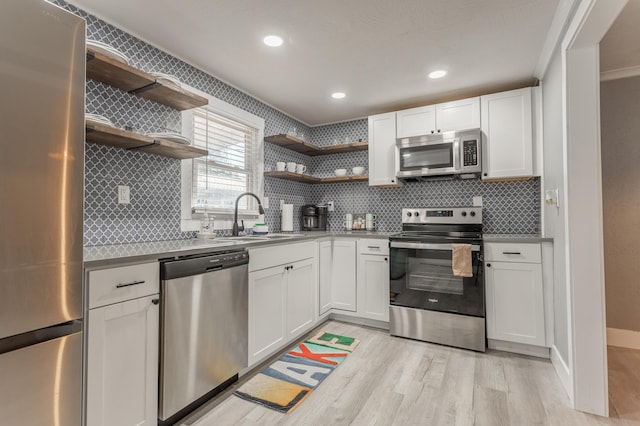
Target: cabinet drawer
(371, 246)
(510, 252)
(266, 257)
(114, 285)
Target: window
(233, 138)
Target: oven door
(421, 277)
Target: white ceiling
(377, 51)
(620, 47)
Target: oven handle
(427, 246)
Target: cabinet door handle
(488, 265)
(155, 301)
(374, 247)
(511, 252)
(130, 284)
(385, 259)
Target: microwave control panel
(470, 153)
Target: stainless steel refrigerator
(42, 86)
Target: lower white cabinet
(282, 298)
(373, 286)
(122, 363)
(300, 297)
(343, 275)
(266, 312)
(324, 276)
(515, 294)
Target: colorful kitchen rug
(283, 385)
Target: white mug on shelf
(280, 166)
(291, 167)
(301, 168)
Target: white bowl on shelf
(357, 171)
(340, 172)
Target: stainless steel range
(427, 301)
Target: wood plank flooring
(624, 384)
(394, 381)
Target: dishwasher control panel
(185, 266)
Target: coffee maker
(314, 217)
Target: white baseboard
(623, 338)
(518, 348)
(562, 370)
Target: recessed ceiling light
(272, 40)
(338, 95)
(437, 74)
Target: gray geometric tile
(154, 212)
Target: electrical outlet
(330, 206)
(477, 201)
(265, 202)
(123, 194)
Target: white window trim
(189, 222)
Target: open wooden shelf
(125, 77)
(106, 135)
(312, 179)
(307, 148)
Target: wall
(554, 218)
(154, 212)
(620, 109)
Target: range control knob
(408, 214)
(472, 213)
(416, 214)
(464, 214)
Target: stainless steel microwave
(448, 153)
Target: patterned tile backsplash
(154, 212)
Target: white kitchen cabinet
(416, 121)
(324, 276)
(373, 287)
(122, 345)
(382, 149)
(343, 275)
(282, 296)
(300, 297)
(515, 294)
(458, 115)
(267, 313)
(122, 363)
(445, 117)
(507, 130)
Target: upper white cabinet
(445, 117)
(382, 149)
(416, 121)
(343, 272)
(507, 149)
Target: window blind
(228, 169)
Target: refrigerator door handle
(19, 341)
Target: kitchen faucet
(237, 228)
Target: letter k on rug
(283, 385)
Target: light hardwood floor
(624, 384)
(394, 381)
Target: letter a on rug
(287, 382)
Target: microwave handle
(427, 246)
(456, 155)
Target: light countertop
(117, 254)
(515, 238)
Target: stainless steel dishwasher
(204, 330)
